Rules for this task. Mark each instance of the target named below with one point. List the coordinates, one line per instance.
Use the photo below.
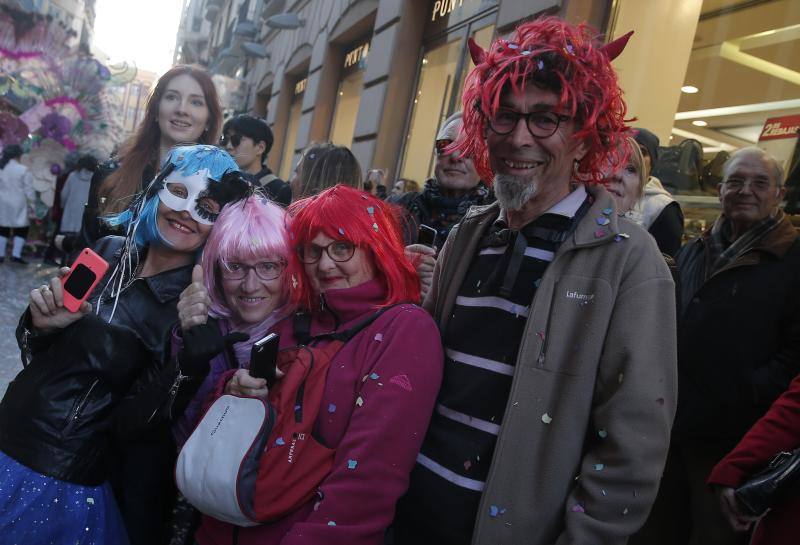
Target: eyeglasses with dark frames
(265, 270)
(338, 250)
(540, 123)
(440, 146)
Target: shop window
(348, 96)
(434, 100)
(295, 113)
(740, 89)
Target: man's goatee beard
(513, 191)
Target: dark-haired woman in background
(322, 166)
(183, 109)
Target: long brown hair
(323, 165)
(142, 149)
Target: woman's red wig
(565, 59)
(346, 213)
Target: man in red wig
(557, 317)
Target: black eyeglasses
(234, 139)
(338, 250)
(541, 124)
(441, 146)
(265, 270)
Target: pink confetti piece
(378, 337)
(578, 508)
(467, 465)
(402, 381)
(600, 233)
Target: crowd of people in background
(520, 349)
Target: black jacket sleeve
(667, 229)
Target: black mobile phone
(426, 236)
(264, 357)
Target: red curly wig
(345, 213)
(565, 59)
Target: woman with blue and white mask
(97, 381)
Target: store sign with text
(780, 127)
(355, 56)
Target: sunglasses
(234, 139)
(441, 146)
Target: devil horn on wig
(476, 52)
(613, 49)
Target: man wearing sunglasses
(557, 316)
(447, 196)
(248, 139)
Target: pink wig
(561, 58)
(254, 228)
(346, 213)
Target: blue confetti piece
(351, 464)
(331, 408)
(599, 467)
(297, 407)
(341, 231)
(607, 211)
(603, 434)
(493, 510)
(540, 65)
(331, 523)
(602, 220)
(538, 283)
(512, 45)
(370, 210)
(374, 376)
(279, 441)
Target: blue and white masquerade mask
(190, 194)
(190, 178)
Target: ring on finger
(45, 287)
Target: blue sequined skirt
(36, 510)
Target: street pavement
(16, 281)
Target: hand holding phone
(264, 358)
(46, 304)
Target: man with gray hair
(738, 343)
(447, 196)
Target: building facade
(76, 15)
(380, 75)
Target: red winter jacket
(382, 433)
(778, 430)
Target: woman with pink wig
(238, 293)
(381, 384)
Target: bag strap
(348, 334)
(301, 324)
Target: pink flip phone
(83, 276)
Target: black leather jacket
(59, 413)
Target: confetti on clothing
(546, 418)
(35, 508)
(279, 441)
(351, 464)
